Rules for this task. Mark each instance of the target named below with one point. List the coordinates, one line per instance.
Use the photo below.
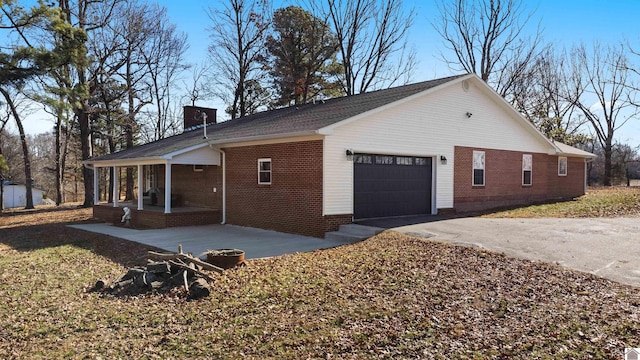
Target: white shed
(15, 195)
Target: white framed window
(264, 171)
(198, 168)
(420, 161)
(384, 160)
(363, 159)
(478, 168)
(527, 169)
(562, 166)
(404, 160)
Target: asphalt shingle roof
(293, 119)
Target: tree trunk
(85, 146)
(627, 174)
(25, 150)
(58, 158)
(129, 128)
(606, 180)
(63, 161)
(1, 182)
(129, 172)
(1, 187)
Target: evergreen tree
(302, 57)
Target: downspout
(223, 215)
(224, 187)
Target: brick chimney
(193, 116)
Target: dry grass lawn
(598, 202)
(392, 296)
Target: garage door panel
(383, 189)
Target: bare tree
(163, 55)
(372, 37)
(25, 147)
(86, 16)
(4, 167)
(23, 61)
(600, 88)
(135, 27)
(198, 88)
(237, 50)
(136, 56)
(11, 149)
(486, 37)
(625, 161)
(540, 95)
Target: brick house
(444, 145)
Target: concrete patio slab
(257, 243)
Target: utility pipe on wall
(167, 188)
(224, 187)
(140, 185)
(223, 154)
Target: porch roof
(198, 154)
(567, 150)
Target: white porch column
(116, 186)
(96, 188)
(140, 185)
(167, 188)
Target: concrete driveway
(257, 243)
(606, 247)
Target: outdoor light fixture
(349, 154)
(443, 160)
(469, 114)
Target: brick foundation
(503, 180)
(333, 222)
(157, 220)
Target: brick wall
(293, 201)
(503, 180)
(196, 188)
(147, 219)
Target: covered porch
(182, 188)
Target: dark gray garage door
(386, 185)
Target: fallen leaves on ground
(598, 202)
(392, 296)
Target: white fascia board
(575, 152)
(569, 154)
(327, 130)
